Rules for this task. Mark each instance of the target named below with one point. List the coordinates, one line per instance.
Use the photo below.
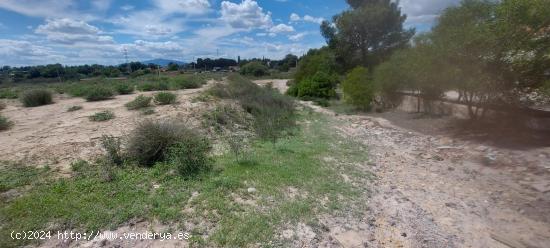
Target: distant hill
(163, 62)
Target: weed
(190, 155)
(74, 108)
(149, 141)
(2, 105)
(187, 82)
(98, 93)
(113, 148)
(36, 97)
(165, 98)
(124, 88)
(8, 94)
(5, 123)
(139, 102)
(154, 86)
(102, 116)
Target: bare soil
(434, 189)
(50, 135)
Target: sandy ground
(50, 135)
(433, 190)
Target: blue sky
(99, 31)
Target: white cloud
(101, 5)
(69, 31)
(295, 17)
(54, 8)
(127, 7)
(15, 52)
(297, 37)
(246, 15)
(183, 6)
(424, 11)
(307, 18)
(282, 28)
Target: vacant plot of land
(51, 135)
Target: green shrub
(190, 155)
(359, 88)
(255, 69)
(113, 148)
(273, 113)
(139, 102)
(77, 89)
(165, 98)
(124, 88)
(102, 116)
(187, 82)
(36, 97)
(74, 108)
(320, 85)
(150, 141)
(8, 94)
(98, 93)
(5, 123)
(154, 86)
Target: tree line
(490, 52)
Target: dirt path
(434, 191)
(50, 135)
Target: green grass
(100, 197)
(165, 98)
(102, 116)
(8, 93)
(5, 123)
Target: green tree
(359, 88)
(367, 33)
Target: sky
(72, 32)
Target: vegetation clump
(5, 123)
(190, 154)
(187, 82)
(102, 116)
(358, 88)
(154, 86)
(151, 142)
(165, 98)
(98, 93)
(74, 108)
(36, 97)
(139, 102)
(124, 88)
(8, 94)
(274, 113)
(2, 105)
(255, 69)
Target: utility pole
(128, 66)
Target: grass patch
(102, 116)
(139, 102)
(2, 105)
(36, 97)
(8, 93)
(74, 108)
(14, 176)
(165, 98)
(148, 111)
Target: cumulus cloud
(307, 18)
(282, 28)
(297, 37)
(69, 31)
(15, 52)
(183, 6)
(246, 15)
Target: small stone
(251, 190)
(404, 235)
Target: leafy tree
(359, 88)
(255, 69)
(367, 33)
